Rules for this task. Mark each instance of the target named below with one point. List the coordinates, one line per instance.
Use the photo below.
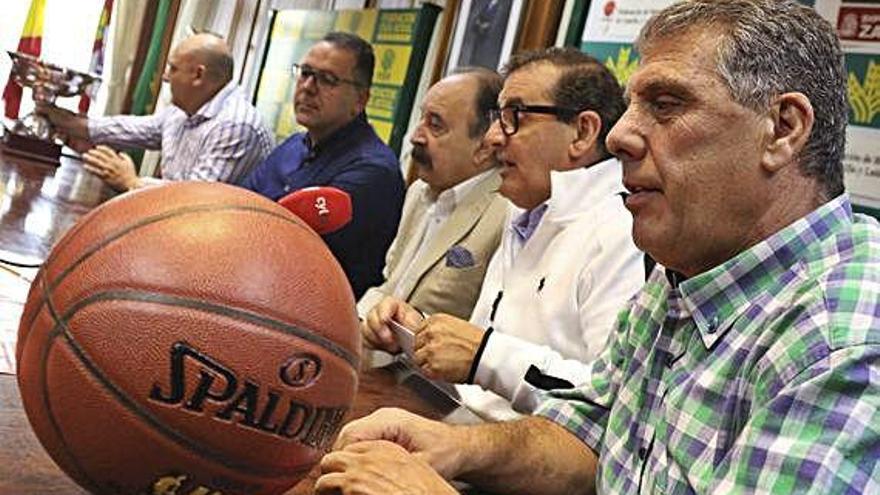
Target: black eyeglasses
(324, 79)
(508, 116)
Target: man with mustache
(339, 149)
(452, 214)
(566, 264)
(750, 361)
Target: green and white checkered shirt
(760, 375)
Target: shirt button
(713, 325)
(287, 188)
(643, 453)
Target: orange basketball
(192, 338)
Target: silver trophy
(47, 82)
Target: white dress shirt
(560, 291)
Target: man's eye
(327, 78)
(665, 104)
(435, 124)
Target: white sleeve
(137, 131)
(606, 282)
(506, 360)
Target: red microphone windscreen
(324, 209)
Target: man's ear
(790, 123)
(588, 125)
(363, 96)
(199, 73)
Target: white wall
(68, 33)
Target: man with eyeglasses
(339, 148)
(211, 132)
(749, 363)
(566, 264)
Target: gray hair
(770, 47)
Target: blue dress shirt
(355, 160)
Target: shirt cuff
(370, 299)
(503, 364)
(94, 126)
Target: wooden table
(26, 469)
(39, 202)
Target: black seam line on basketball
(170, 433)
(149, 221)
(47, 405)
(213, 308)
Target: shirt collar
(717, 297)
(575, 191)
(451, 197)
(527, 222)
(341, 135)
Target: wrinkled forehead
(687, 58)
(452, 93)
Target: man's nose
(624, 140)
(307, 83)
(418, 135)
(494, 135)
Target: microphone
(325, 209)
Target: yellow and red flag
(30, 42)
(97, 64)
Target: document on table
(14, 286)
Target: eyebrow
(661, 85)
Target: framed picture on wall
(485, 32)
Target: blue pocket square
(459, 257)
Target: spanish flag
(31, 39)
(97, 64)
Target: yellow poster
(391, 64)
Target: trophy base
(32, 148)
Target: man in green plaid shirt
(751, 362)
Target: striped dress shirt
(761, 375)
(222, 141)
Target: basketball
(188, 339)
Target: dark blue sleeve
(268, 177)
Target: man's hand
(71, 125)
(378, 467)
(116, 169)
(375, 329)
(437, 444)
(445, 347)
(528, 456)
